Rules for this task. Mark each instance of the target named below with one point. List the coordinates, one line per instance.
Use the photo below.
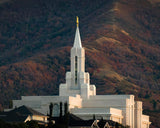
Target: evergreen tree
(50, 109)
(50, 115)
(66, 114)
(60, 110)
(94, 117)
(65, 108)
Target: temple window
(76, 68)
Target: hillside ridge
(121, 39)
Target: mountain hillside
(121, 39)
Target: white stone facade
(82, 99)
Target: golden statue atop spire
(77, 21)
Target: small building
(23, 114)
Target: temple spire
(77, 39)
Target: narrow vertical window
(76, 63)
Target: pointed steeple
(77, 39)
(77, 80)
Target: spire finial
(77, 39)
(77, 21)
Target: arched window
(55, 110)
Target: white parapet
(105, 113)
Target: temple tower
(77, 80)
(77, 60)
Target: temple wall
(106, 113)
(115, 101)
(75, 102)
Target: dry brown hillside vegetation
(121, 39)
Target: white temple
(82, 99)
